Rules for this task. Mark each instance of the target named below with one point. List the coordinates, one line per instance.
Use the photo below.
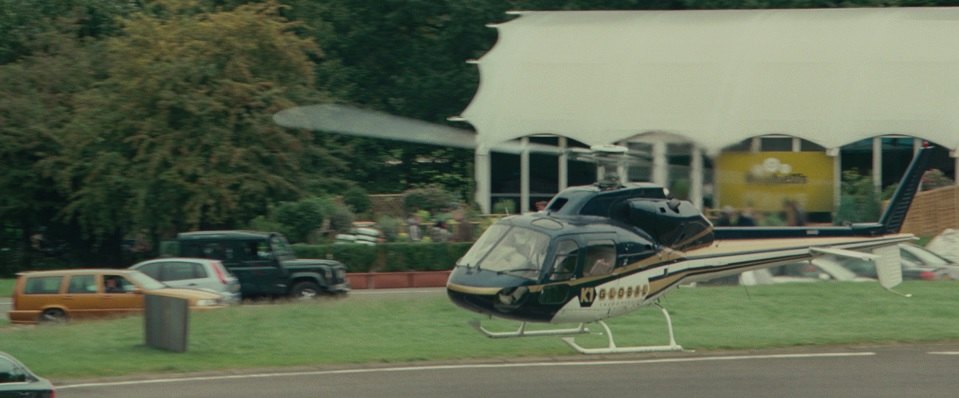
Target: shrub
(341, 218)
(935, 178)
(432, 198)
(299, 219)
(357, 200)
(859, 201)
(388, 257)
(391, 227)
(264, 223)
(504, 206)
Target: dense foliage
(123, 122)
(388, 257)
(859, 201)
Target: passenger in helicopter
(601, 261)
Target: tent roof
(831, 76)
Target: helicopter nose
(512, 295)
(492, 301)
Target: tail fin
(895, 213)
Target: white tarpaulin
(831, 76)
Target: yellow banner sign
(765, 180)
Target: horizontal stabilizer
(845, 253)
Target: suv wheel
(305, 290)
(53, 315)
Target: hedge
(388, 257)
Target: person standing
(795, 216)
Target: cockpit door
(566, 261)
(565, 267)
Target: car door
(119, 295)
(566, 259)
(81, 297)
(254, 264)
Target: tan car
(56, 296)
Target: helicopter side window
(600, 258)
(558, 204)
(564, 264)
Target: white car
(820, 269)
(195, 273)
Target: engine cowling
(673, 223)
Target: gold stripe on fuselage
(663, 257)
(477, 290)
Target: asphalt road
(894, 371)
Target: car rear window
(10, 372)
(175, 271)
(43, 285)
(152, 269)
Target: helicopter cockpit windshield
(508, 250)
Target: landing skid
(613, 349)
(522, 332)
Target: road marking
(944, 353)
(473, 366)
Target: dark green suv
(264, 263)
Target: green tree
(405, 58)
(179, 135)
(39, 92)
(24, 24)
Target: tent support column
(481, 167)
(836, 177)
(696, 177)
(524, 176)
(877, 164)
(563, 165)
(660, 165)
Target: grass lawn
(401, 329)
(6, 287)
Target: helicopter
(610, 248)
(607, 249)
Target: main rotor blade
(349, 120)
(366, 123)
(626, 159)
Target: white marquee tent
(831, 76)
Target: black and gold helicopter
(610, 248)
(607, 249)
